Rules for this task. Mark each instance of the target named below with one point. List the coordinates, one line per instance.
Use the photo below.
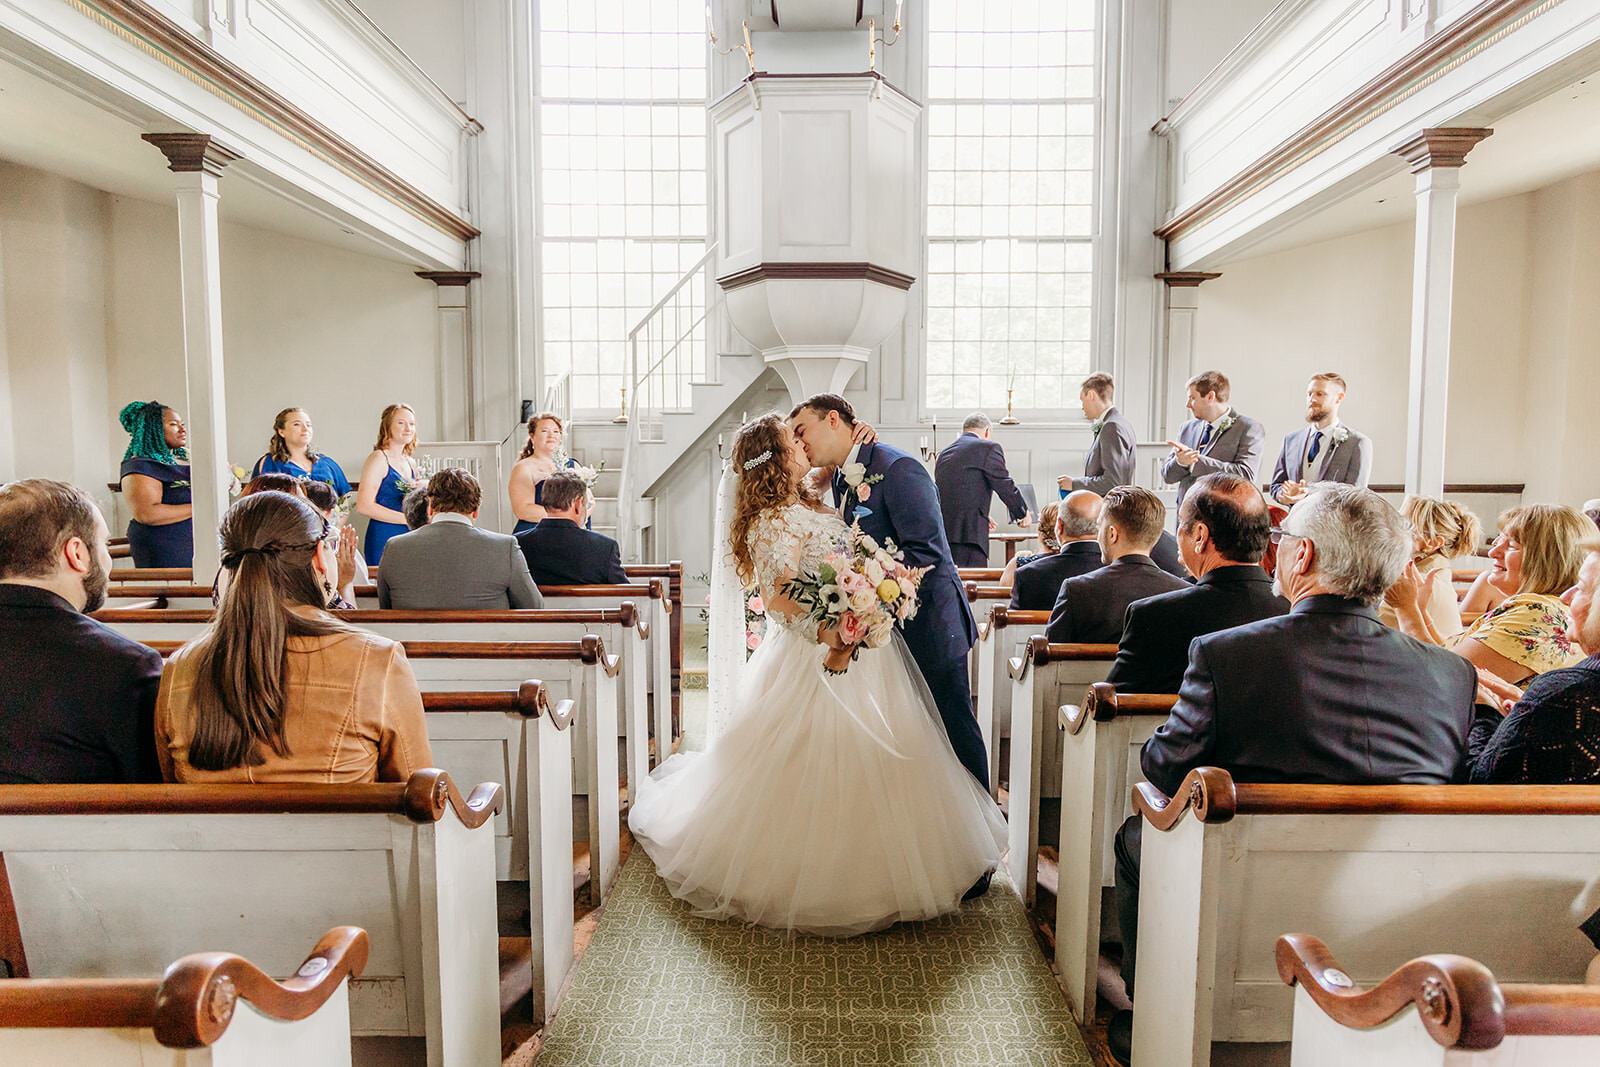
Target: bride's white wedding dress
(832, 804)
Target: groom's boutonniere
(857, 482)
(1222, 424)
(1341, 434)
(1097, 425)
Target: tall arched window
(622, 166)
(1011, 158)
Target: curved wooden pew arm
(192, 1004)
(1040, 652)
(1102, 703)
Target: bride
(829, 805)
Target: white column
(1178, 362)
(1436, 158)
(457, 382)
(197, 162)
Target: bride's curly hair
(762, 486)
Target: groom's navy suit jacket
(904, 507)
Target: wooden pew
(1435, 1011)
(979, 574)
(219, 1005)
(999, 639)
(1040, 678)
(114, 880)
(1102, 737)
(672, 571)
(982, 599)
(1393, 869)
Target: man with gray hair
(1078, 529)
(968, 472)
(1325, 694)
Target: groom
(893, 497)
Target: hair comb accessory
(756, 461)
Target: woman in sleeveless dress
(539, 460)
(831, 805)
(155, 482)
(386, 477)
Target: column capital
(188, 153)
(445, 278)
(1185, 279)
(1440, 148)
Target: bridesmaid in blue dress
(538, 462)
(289, 452)
(386, 476)
(155, 483)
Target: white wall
(1201, 32)
(433, 34)
(91, 318)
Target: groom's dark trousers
(903, 506)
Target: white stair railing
(668, 351)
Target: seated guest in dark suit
(1090, 609)
(79, 699)
(450, 563)
(1325, 694)
(1223, 531)
(559, 550)
(970, 470)
(1551, 736)
(1078, 527)
(1165, 555)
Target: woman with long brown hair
(766, 825)
(289, 452)
(388, 474)
(276, 689)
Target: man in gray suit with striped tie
(1325, 450)
(1218, 440)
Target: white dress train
(832, 805)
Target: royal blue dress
(322, 469)
(523, 525)
(171, 545)
(390, 495)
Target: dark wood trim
(500, 650)
(189, 153)
(1446, 148)
(762, 272)
(1186, 279)
(1458, 488)
(525, 701)
(193, 1003)
(151, 574)
(1473, 32)
(13, 959)
(1002, 616)
(980, 574)
(446, 278)
(1102, 703)
(368, 616)
(430, 791)
(1206, 790)
(976, 592)
(147, 29)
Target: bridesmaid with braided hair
(155, 483)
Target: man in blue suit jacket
(890, 494)
(967, 473)
(1325, 694)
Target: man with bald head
(1223, 533)
(1077, 523)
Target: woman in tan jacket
(277, 690)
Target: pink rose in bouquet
(852, 630)
(862, 591)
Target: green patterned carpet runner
(659, 986)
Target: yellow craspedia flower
(240, 473)
(888, 590)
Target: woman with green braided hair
(155, 482)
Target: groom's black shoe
(980, 887)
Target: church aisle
(659, 986)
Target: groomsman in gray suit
(1218, 440)
(1111, 457)
(1324, 451)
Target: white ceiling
(47, 125)
(1548, 141)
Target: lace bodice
(784, 543)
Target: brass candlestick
(1010, 419)
(622, 416)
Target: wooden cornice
(189, 153)
(142, 26)
(762, 272)
(1185, 279)
(446, 278)
(1440, 148)
(1433, 59)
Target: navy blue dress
(523, 525)
(390, 495)
(171, 545)
(322, 469)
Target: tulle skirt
(831, 805)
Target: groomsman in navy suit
(970, 470)
(1326, 450)
(1110, 460)
(1218, 440)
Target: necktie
(1205, 438)
(1316, 446)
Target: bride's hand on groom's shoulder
(864, 435)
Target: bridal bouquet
(862, 590)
